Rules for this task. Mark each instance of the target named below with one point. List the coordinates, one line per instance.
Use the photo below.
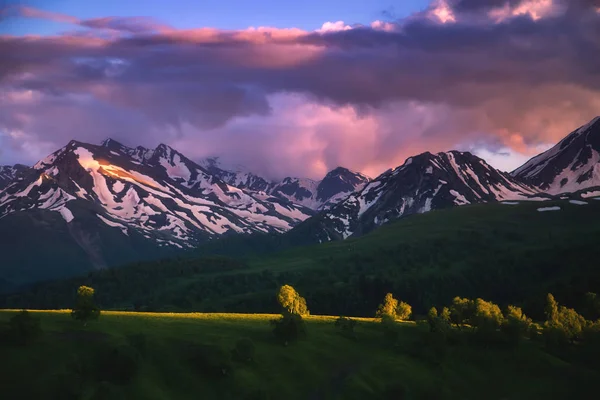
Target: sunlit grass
(202, 316)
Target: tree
(462, 310)
(85, 309)
(403, 311)
(551, 309)
(516, 325)
(394, 309)
(290, 326)
(388, 307)
(291, 301)
(445, 315)
(486, 316)
(563, 324)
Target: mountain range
(89, 206)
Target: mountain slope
(571, 165)
(425, 182)
(155, 197)
(9, 173)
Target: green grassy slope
(504, 253)
(325, 365)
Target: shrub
(244, 350)
(24, 328)
(289, 328)
(346, 327)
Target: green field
(187, 356)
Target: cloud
(509, 75)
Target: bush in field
(85, 309)
(24, 328)
(346, 327)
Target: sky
(299, 88)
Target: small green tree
(563, 324)
(445, 315)
(551, 309)
(85, 309)
(432, 314)
(290, 326)
(516, 326)
(291, 301)
(388, 307)
(393, 309)
(462, 310)
(487, 316)
(403, 311)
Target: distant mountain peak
(571, 165)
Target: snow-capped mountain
(9, 173)
(424, 182)
(159, 194)
(570, 166)
(316, 195)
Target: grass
(325, 365)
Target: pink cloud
(291, 102)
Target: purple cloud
(513, 82)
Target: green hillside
(189, 356)
(505, 253)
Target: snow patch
(578, 202)
(66, 214)
(510, 203)
(113, 224)
(543, 209)
(459, 198)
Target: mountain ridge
(150, 200)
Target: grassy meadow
(189, 356)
